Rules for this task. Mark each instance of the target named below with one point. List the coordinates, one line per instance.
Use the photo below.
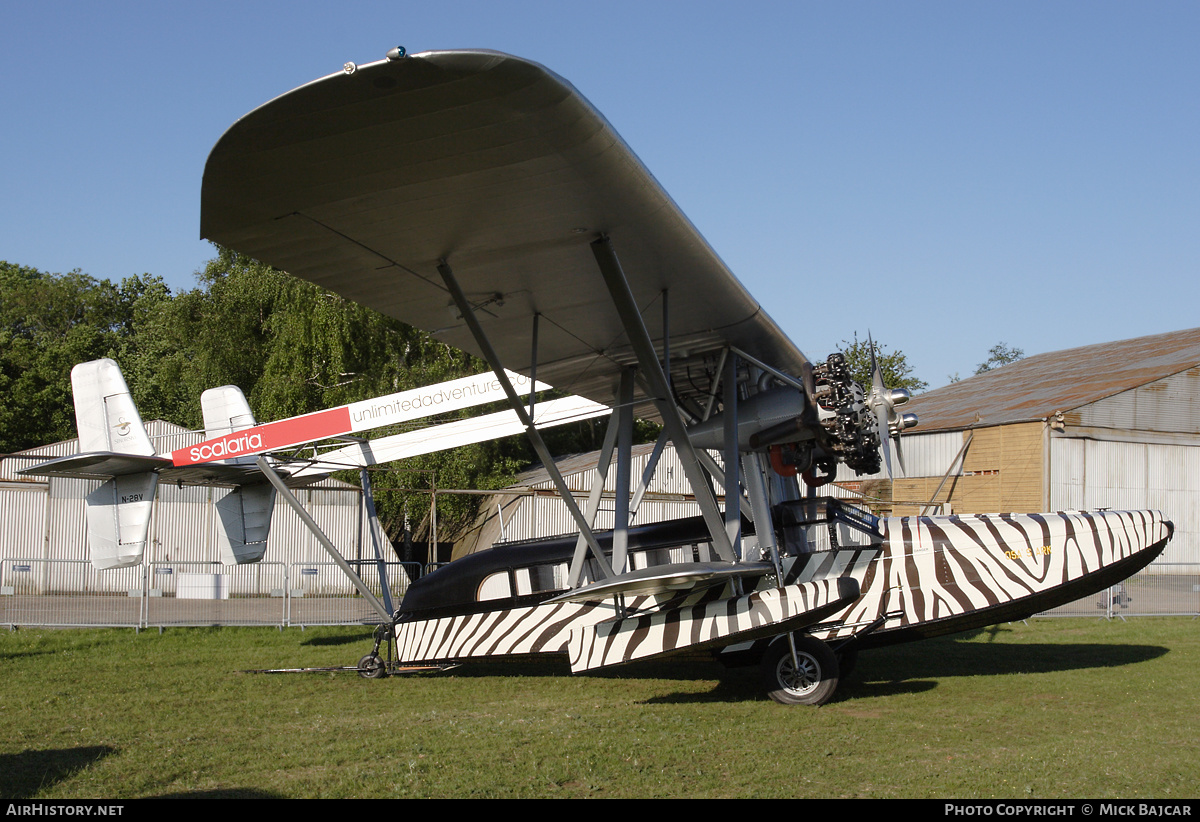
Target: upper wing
(362, 181)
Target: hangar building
(1115, 425)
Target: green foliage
(897, 372)
(50, 322)
(999, 355)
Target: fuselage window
(539, 578)
(495, 586)
(649, 559)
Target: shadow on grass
(23, 774)
(938, 658)
(346, 639)
(26, 654)
(913, 667)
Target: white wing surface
(362, 181)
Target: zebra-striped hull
(929, 576)
(594, 636)
(939, 575)
(519, 631)
(715, 624)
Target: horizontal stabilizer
(99, 465)
(245, 515)
(448, 435)
(354, 418)
(711, 624)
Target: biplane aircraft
(480, 197)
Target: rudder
(118, 512)
(245, 512)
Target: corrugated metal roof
(1036, 387)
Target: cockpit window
(494, 586)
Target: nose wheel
(372, 667)
(808, 678)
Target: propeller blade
(878, 401)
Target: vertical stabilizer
(245, 512)
(105, 416)
(225, 411)
(118, 512)
(118, 520)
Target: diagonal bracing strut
(273, 477)
(518, 406)
(643, 347)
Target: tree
(48, 323)
(1000, 355)
(897, 372)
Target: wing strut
(575, 574)
(643, 346)
(648, 474)
(535, 439)
(377, 538)
(732, 481)
(624, 409)
(264, 465)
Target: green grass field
(1055, 708)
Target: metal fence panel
(320, 594)
(1162, 589)
(206, 593)
(65, 593)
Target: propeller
(884, 401)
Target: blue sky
(945, 175)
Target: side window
(494, 586)
(538, 578)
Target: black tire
(815, 681)
(371, 667)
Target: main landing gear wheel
(371, 667)
(812, 682)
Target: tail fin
(118, 512)
(225, 411)
(245, 512)
(105, 416)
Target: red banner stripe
(267, 437)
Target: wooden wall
(1002, 472)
